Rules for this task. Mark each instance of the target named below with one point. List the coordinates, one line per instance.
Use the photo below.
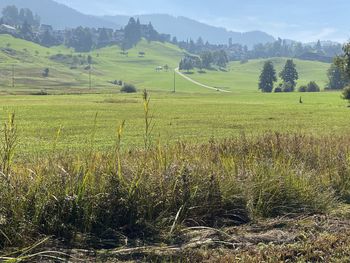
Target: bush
(346, 94)
(313, 87)
(303, 88)
(40, 93)
(128, 88)
(287, 87)
(278, 90)
(46, 72)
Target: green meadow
(215, 168)
(192, 114)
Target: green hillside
(68, 73)
(244, 77)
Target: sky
(302, 20)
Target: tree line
(205, 60)
(318, 51)
(338, 75)
(82, 39)
(289, 76)
(85, 39)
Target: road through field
(198, 83)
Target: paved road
(198, 83)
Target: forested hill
(58, 15)
(184, 29)
(61, 16)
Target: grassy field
(176, 117)
(74, 186)
(194, 113)
(109, 65)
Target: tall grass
(153, 192)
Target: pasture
(192, 114)
(72, 177)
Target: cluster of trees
(134, 31)
(289, 76)
(206, 60)
(339, 72)
(280, 48)
(82, 39)
(285, 48)
(85, 39)
(13, 16)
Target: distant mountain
(184, 29)
(59, 15)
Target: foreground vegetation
(193, 118)
(195, 175)
(148, 194)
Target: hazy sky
(304, 20)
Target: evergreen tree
(186, 64)
(267, 77)
(47, 39)
(289, 73)
(343, 64)
(10, 15)
(132, 32)
(335, 77)
(80, 39)
(89, 59)
(174, 41)
(318, 47)
(207, 59)
(26, 31)
(222, 59)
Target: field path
(198, 83)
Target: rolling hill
(68, 73)
(183, 28)
(58, 15)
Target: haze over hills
(62, 16)
(184, 29)
(304, 21)
(58, 15)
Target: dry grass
(183, 195)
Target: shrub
(278, 90)
(303, 88)
(346, 94)
(287, 87)
(128, 88)
(46, 72)
(313, 87)
(40, 93)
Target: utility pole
(13, 75)
(90, 76)
(174, 81)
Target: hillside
(68, 72)
(51, 13)
(184, 28)
(244, 77)
(68, 69)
